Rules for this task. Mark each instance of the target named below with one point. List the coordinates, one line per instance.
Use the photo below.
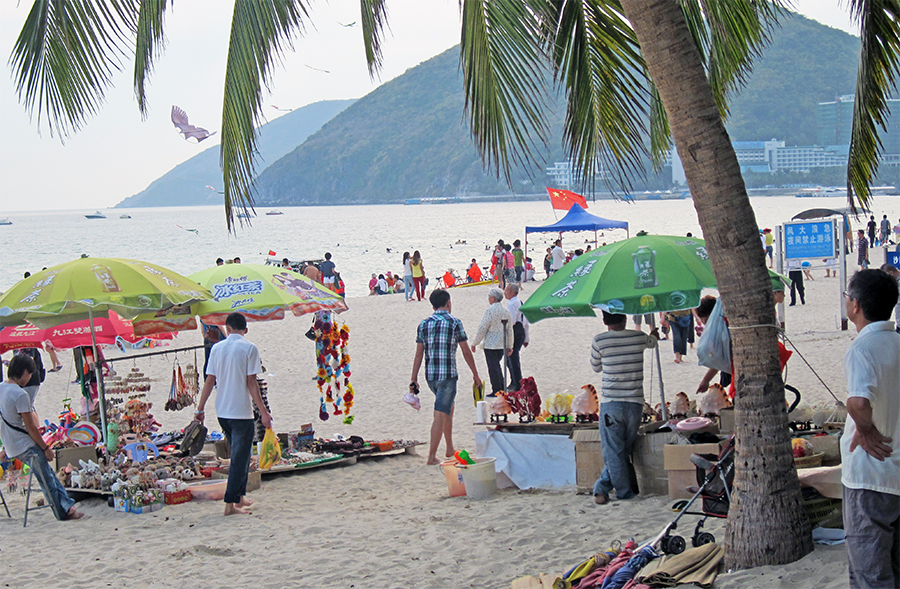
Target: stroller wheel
(703, 538)
(676, 545)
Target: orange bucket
(454, 476)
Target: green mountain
(409, 137)
(805, 64)
(186, 184)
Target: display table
(529, 461)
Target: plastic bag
(269, 450)
(413, 400)
(714, 347)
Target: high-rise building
(834, 121)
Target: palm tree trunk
(766, 523)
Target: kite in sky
(187, 130)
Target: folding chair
(3, 500)
(28, 493)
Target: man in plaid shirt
(436, 342)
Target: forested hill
(186, 184)
(409, 137)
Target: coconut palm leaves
(260, 29)
(65, 56)
(612, 108)
(875, 80)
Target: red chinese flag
(564, 199)
(271, 253)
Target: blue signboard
(812, 239)
(893, 258)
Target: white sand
(389, 522)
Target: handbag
(714, 347)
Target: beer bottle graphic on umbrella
(105, 278)
(645, 268)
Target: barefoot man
(436, 342)
(233, 366)
(22, 440)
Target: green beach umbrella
(258, 292)
(643, 274)
(90, 287)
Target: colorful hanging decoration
(333, 367)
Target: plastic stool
(28, 494)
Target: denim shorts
(444, 393)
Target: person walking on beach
(559, 256)
(436, 340)
(871, 228)
(870, 445)
(495, 323)
(885, 230)
(518, 260)
(327, 270)
(619, 354)
(509, 266)
(769, 240)
(311, 272)
(407, 276)
(862, 248)
(680, 322)
(795, 273)
(233, 366)
(22, 440)
(520, 335)
(418, 274)
(548, 262)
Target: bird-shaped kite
(187, 130)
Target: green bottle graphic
(644, 268)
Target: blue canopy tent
(577, 219)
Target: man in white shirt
(559, 256)
(496, 332)
(870, 445)
(520, 335)
(233, 366)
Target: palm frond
(373, 18)
(597, 62)
(878, 71)
(65, 56)
(149, 42)
(730, 34)
(505, 77)
(259, 32)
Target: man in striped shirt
(619, 354)
(436, 341)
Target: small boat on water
(5, 221)
(273, 213)
(97, 215)
(245, 216)
(124, 216)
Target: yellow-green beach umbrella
(93, 286)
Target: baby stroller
(715, 475)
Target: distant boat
(5, 221)
(125, 217)
(245, 215)
(820, 191)
(273, 213)
(97, 215)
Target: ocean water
(362, 239)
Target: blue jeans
(680, 327)
(619, 423)
(54, 493)
(239, 433)
(408, 287)
(444, 393)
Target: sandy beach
(389, 522)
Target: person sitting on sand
(373, 282)
(233, 366)
(436, 340)
(381, 286)
(22, 438)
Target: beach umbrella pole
(99, 373)
(662, 392)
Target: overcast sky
(116, 154)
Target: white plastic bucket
(480, 478)
(454, 477)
